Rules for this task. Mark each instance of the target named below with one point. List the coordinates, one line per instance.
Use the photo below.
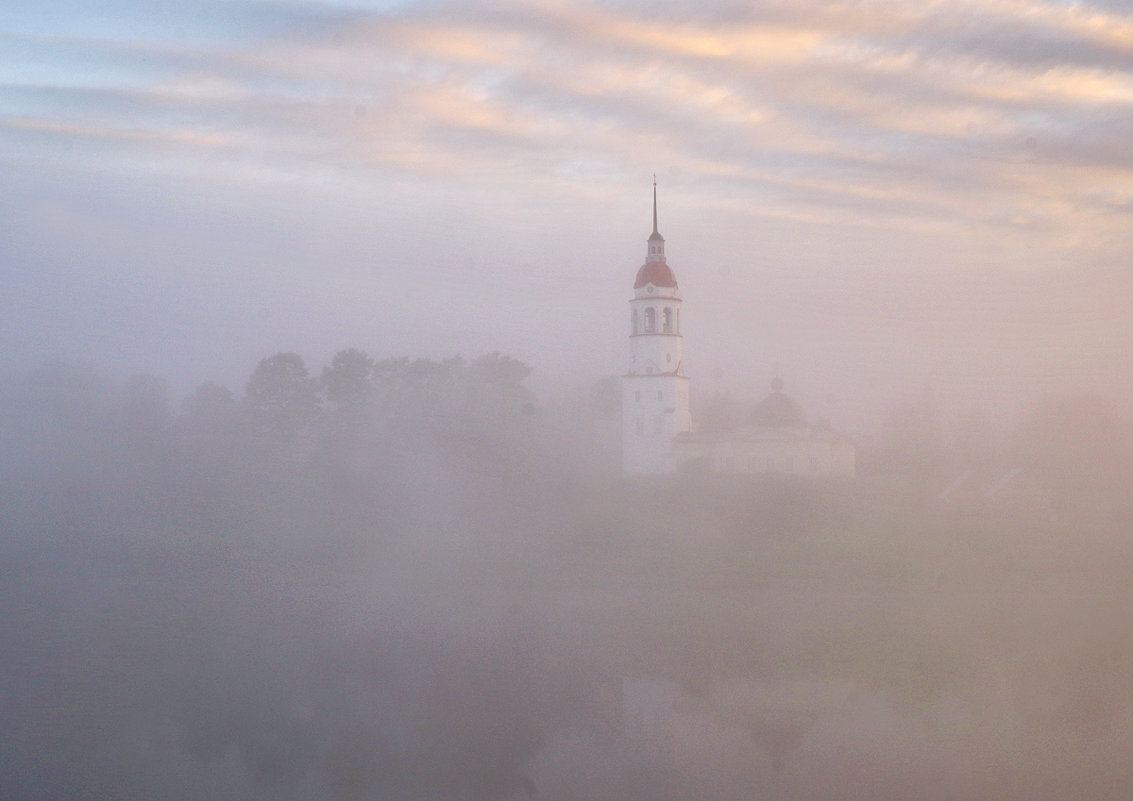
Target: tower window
(667, 320)
(650, 320)
(659, 395)
(633, 321)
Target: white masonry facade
(655, 401)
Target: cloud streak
(990, 130)
(799, 91)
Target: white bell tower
(655, 405)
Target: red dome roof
(656, 273)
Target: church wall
(654, 354)
(654, 409)
(800, 457)
(793, 457)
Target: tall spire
(656, 241)
(654, 202)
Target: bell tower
(655, 403)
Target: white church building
(658, 435)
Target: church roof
(777, 410)
(656, 273)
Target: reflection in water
(242, 603)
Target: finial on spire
(654, 202)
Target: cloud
(817, 83)
(886, 135)
(1000, 113)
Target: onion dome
(656, 273)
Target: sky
(876, 200)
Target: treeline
(281, 399)
(276, 594)
(62, 417)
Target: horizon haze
(875, 200)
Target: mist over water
(415, 579)
(265, 535)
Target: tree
(499, 370)
(280, 395)
(420, 393)
(210, 410)
(494, 387)
(349, 379)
